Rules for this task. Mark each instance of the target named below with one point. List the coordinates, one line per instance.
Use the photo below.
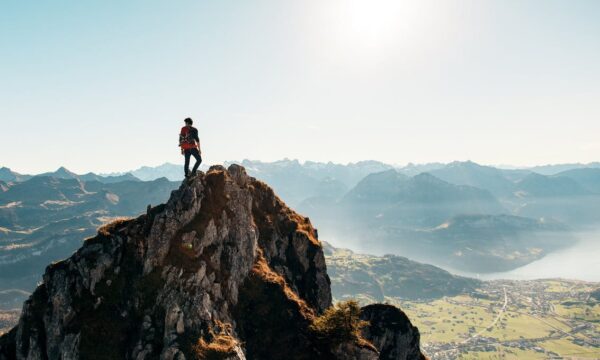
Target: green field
(542, 319)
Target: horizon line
(304, 162)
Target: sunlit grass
(566, 347)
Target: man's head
(188, 121)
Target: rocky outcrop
(391, 332)
(223, 270)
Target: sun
(374, 27)
(373, 23)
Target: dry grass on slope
(221, 346)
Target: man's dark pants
(191, 152)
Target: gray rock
(391, 332)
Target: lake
(578, 262)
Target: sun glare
(373, 23)
(377, 25)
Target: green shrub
(340, 323)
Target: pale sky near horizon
(104, 86)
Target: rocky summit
(223, 270)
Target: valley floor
(537, 319)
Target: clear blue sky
(104, 85)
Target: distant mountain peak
(463, 163)
(64, 171)
(7, 175)
(428, 178)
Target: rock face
(391, 332)
(223, 270)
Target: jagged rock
(391, 332)
(224, 250)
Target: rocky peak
(223, 270)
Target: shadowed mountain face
(423, 200)
(223, 260)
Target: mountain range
(8, 176)
(424, 217)
(222, 270)
(44, 218)
(459, 215)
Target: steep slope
(224, 266)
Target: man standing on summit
(190, 146)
